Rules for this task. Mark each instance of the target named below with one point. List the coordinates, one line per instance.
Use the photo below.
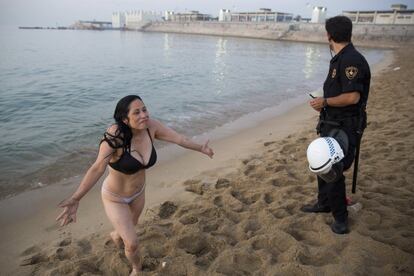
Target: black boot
(315, 208)
(340, 227)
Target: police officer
(342, 107)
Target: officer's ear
(329, 37)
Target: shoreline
(168, 152)
(35, 208)
(164, 182)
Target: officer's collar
(348, 47)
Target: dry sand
(240, 214)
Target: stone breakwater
(363, 35)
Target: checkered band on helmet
(330, 145)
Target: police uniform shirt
(348, 72)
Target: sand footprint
(242, 197)
(194, 243)
(307, 237)
(65, 242)
(238, 263)
(269, 143)
(275, 182)
(156, 249)
(268, 198)
(227, 235)
(62, 254)
(222, 183)
(250, 227)
(31, 250)
(84, 246)
(209, 226)
(206, 260)
(218, 201)
(34, 259)
(279, 213)
(249, 263)
(167, 209)
(150, 264)
(188, 219)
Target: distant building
(224, 15)
(299, 18)
(188, 16)
(262, 15)
(168, 15)
(136, 19)
(398, 7)
(118, 20)
(399, 14)
(318, 15)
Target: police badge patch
(351, 72)
(333, 73)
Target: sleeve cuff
(351, 87)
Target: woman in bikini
(127, 147)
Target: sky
(51, 13)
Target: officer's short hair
(339, 28)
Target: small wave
(64, 167)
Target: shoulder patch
(351, 72)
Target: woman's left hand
(207, 150)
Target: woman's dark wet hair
(123, 135)
(339, 28)
(122, 108)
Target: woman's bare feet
(134, 272)
(117, 239)
(136, 269)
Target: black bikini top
(126, 163)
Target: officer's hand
(317, 103)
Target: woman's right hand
(68, 215)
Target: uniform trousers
(333, 194)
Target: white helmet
(322, 153)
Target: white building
(399, 14)
(168, 15)
(188, 16)
(224, 15)
(262, 15)
(118, 20)
(133, 19)
(136, 19)
(318, 15)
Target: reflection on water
(167, 45)
(219, 71)
(312, 56)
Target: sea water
(59, 88)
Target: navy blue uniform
(348, 72)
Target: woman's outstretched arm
(70, 205)
(165, 133)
